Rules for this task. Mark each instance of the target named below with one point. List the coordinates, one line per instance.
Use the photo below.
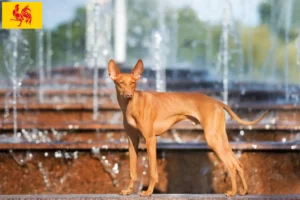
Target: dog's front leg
(151, 151)
(133, 143)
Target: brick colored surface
(180, 171)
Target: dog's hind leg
(240, 170)
(225, 155)
(215, 134)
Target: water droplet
(242, 132)
(67, 155)
(254, 146)
(19, 134)
(267, 126)
(243, 91)
(116, 168)
(105, 52)
(30, 155)
(293, 146)
(283, 140)
(58, 154)
(95, 150)
(273, 121)
(75, 155)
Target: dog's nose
(128, 95)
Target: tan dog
(152, 113)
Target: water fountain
(225, 53)
(98, 36)
(49, 54)
(40, 62)
(69, 59)
(288, 18)
(160, 50)
(223, 57)
(13, 60)
(298, 54)
(109, 167)
(271, 57)
(208, 40)
(16, 60)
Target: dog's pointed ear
(138, 69)
(113, 70)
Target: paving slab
(155, 196)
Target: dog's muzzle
(128, 95)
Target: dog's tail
(239, 120)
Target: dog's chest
(130, 118)
(131, 121)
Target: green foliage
(142, 19)
(261, 44)
(294, 69)
(60, 40)
(264, 11)
(191, 35)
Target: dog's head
(125, 83)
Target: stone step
(115, 133)
(154, 197)
(60, 115)
(87, 82)
(85, 94)
(88, 125)
(105, 145)
(66, 106)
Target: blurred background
(59, 112)
(261, 35)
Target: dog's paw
(145, 194)
(243, 192)
(125, 192)
(230, 193)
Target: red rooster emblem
(25, 14)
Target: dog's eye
(133, 81)
(121, 82)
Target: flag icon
(22, 15)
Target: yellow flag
(22, 15)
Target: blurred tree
(3, 37)
(191, 36)
(261, 44)
(142, 19)
(273, 13)
(264, 10)
(60, 40)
